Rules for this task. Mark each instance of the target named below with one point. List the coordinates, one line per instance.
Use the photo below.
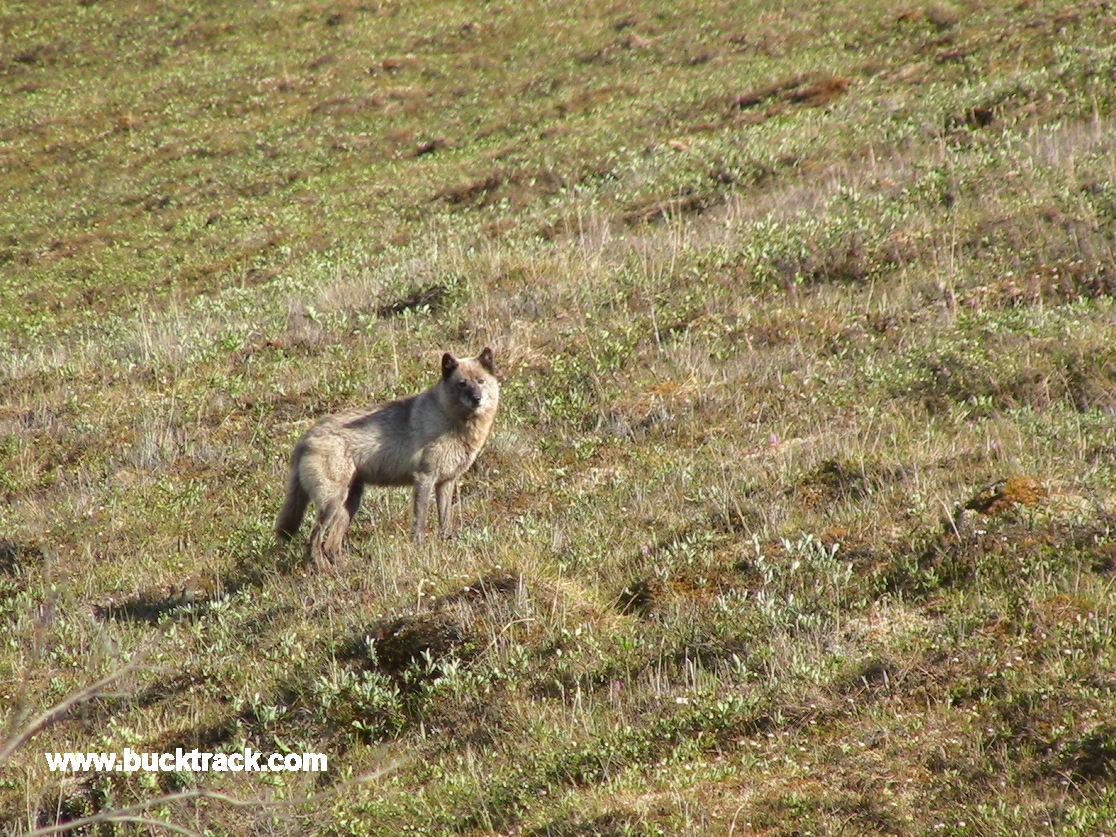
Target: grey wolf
(426, 441)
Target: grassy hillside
(798, 516)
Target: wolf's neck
(474, 430)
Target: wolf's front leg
(444, 492)
(424, 487)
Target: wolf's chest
(448, 457)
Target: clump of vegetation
(797, 518)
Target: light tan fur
(426, 441)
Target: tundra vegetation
(798, 514)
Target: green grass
(776, 293)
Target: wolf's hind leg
(328, 534)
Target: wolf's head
(471, 382)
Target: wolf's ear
(449, 363)
(487, 360)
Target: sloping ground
(798, 515)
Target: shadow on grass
(192, 601)
(152, 609)
(16, 557)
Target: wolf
(426, 441)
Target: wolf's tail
(294, 507)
